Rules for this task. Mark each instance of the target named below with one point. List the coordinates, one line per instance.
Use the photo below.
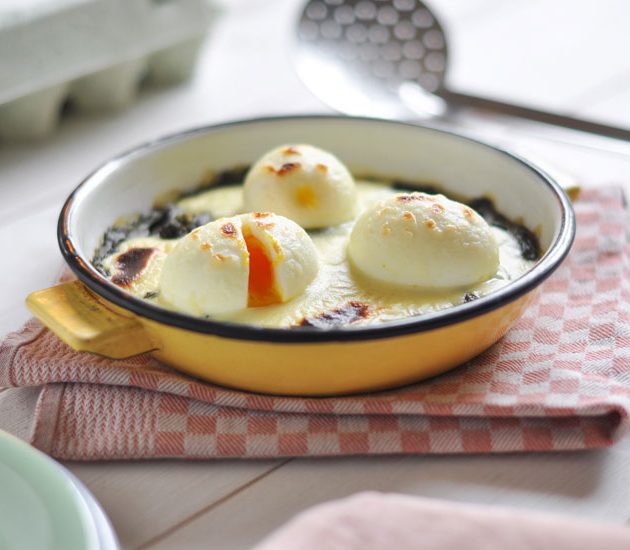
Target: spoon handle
(487, 104)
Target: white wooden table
(565, 54)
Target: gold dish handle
(87, 323)
(566, 180)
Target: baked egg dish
(296, 240)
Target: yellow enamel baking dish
(94, 315)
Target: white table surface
(565, 54)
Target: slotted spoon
(389, 58)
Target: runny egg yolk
(262, 290)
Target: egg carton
(92, 52)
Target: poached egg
(304, 183)
(428, 241)
(227, 265)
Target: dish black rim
(86, 273)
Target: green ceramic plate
(40, 507)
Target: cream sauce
(336, 284)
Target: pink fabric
(559, 380)
(375, 521)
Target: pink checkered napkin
(559, 380)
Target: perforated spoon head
(369, 56)
(388, 58)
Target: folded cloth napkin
(377, 521)
(559, 380)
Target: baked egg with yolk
(417, 239)
(304, 183)
(251, 260)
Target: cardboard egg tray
(93, 52)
